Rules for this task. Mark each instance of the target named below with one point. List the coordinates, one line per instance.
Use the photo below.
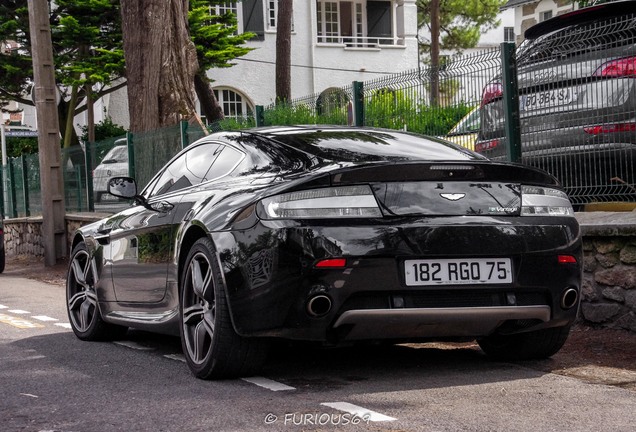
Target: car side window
(224, 163)
(188, 169)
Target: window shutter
(379, 19)
(253, 18)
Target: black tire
(81, 300)
(2, 259)
(213, 350)
(539, 344)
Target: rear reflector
(610, 128)
(566, 259)
(625, 67)
(331, 263)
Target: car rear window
(371, 146)
(117, 154)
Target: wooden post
(51, 174)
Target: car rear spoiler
(593, 13)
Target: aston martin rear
(333, 235)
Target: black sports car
(330, 234)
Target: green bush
(103, 130)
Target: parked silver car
(577, 100)
(114, 163)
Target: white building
(531, 12)
(334, 43)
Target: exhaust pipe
(319, 305)
(569, 298)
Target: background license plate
(458, 271)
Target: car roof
(581, 16)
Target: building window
(509, 34)
(272, 13)
(545, 15)
(356, 23)
(234, 104)
(328, 29)
(235, 8)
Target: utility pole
(51, 173)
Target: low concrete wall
(609, 278)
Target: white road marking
(268, 384)
(358, 410)
(44, 318)
(4, 307)
(64, 325)
(133, 345)
(35, 357)
(19, 311)
(178, 357)
(29, 395)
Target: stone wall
(609, 277)
(23, 236)
(609, 244)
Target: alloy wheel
(198, 313)
(81, 296)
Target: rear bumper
(271, 279)
(439, 322)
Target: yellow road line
(20, 323)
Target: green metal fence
(401, 101)
(404, 101)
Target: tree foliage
(461, 21)
(87, 48)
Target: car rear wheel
(81, 299)
(211, 346)
(2, 259)
(537, 344)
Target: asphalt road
(51, 381)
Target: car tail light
(610, 128)
(333, 202)
(491, 92)
(486, 145)
(543, 201)
(625, 67)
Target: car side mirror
(122, 187)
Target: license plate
(458, 271)
(547, 99)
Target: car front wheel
(212, 348)
(539, 344)
(81, 299)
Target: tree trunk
(435, 24)
(283, 51)
(209, 104)
(160, 63)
